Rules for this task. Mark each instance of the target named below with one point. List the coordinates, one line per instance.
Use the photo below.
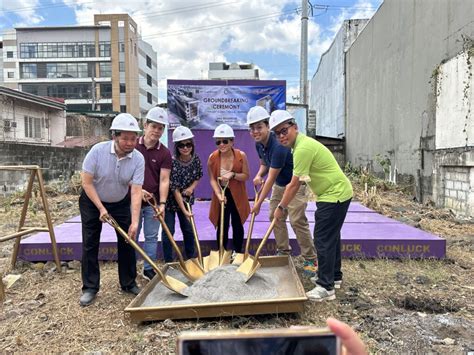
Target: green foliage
(384, 162)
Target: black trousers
(329, 218)
(231, 213)
(91, 229)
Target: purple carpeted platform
(365, 234)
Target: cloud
(20, 13)
(189, 35)
(363, 9)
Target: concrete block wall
(453, 180)
(58, 163)
(457, 187)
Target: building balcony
(63, 60)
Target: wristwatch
(284, 209)
(162, 203)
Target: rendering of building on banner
(102, 67)
(204, 104)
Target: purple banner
(205, 104)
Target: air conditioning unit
(6, 123)
(13, 124)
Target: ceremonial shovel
(219, 257)
(251, 264)
(170, 282)
(196, 239)
(189, 268)
(240, 258)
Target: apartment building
(102, 67)
(226, 71)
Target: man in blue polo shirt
(109, 170)
(276, 162)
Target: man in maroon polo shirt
(157, 179)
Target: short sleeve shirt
(182, 176)
(156, 158)
(316, 165)
(112, 175)
(276, 156)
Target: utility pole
(93, 94)
(304, 52)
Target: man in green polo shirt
(316, 166)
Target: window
(28, 71)
(104, 49)
(106, 91)
(149, 98)
(121, 47)
(123, 108)
(51, 70)
(122, 66)
(60, 49)
(9, 54)
(121, 23)
(123, 89)
(105, 70)
(148, 61)
(71, 70)
(28, 50)
(11, 75)
(148, 80)
(82, 70)
(32, 127)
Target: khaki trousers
(298, 221)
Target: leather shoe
(135, 290)
(87, 298)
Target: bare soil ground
(398, 306)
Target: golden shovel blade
(225, 259)
(170, 282)
(249, 267)
(212, 260)
(238, 259)
(174, 285)
(193, 269)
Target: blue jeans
(188, 235)
(150, 230)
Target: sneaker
(319, 294)
(135, 290)
(337, 284)
(310, 267)
(87, 298)
(149, 274)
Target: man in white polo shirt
(109, 170)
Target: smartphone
(287, 341)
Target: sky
(187, 35)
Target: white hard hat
(158, 115)
(223, 131)
(279, 116)
(125, 122)
(182, 133)
(257, 114)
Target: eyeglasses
(184, 145)
(224, 141)
(283, 131)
